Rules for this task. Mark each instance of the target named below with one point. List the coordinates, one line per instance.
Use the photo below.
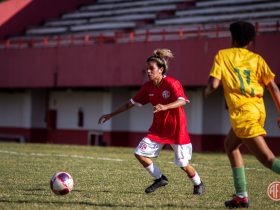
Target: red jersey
(170, 126)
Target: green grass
(111, 178)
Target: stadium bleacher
(106, 16)
(153, 20)
(225, 13)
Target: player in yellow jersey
(244, 75)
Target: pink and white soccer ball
(62, 183)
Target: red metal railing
(180, 33)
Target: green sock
(276, 166)
(239, 181)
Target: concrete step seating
(149, 20)
(108, 15)
(224, 10)
(176, 32)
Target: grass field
(111, 178)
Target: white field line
(100, 158)
(58, 155)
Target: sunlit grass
(111, 178)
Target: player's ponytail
(159, 56)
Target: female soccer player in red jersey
(244, 76)
(169, 124)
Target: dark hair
(159, 57)
(242, 33)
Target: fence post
(257, 26)
(58, 39)
(45, 41)
(217, 30)
(181, 33)
(199, 32)
(32, 43)
(72, 39)
(117, 35)
(131, 36)
(7, 43)
(147, 34)
(101, 38)
(19, 43)
(163, 34)
(86, 39)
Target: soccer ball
(61, 183)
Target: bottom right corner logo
(273, 191)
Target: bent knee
(182, 162)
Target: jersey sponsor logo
(165, 94)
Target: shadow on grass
(47, 189)
(118, 192)
(43, 191)
(86, 203)
(55, 202)
(35, 189)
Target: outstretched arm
(175, 104)
(121, 109)
(213, 84)
(275, 94)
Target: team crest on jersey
(165, 94)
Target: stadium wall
(24, 114)
(118, 65)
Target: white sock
(154, 171)
(196, 179)
(242, 194)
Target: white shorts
(148, 148)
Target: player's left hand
(104, 118)
(159, 108)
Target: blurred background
(65, 63)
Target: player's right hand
(104, 118)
